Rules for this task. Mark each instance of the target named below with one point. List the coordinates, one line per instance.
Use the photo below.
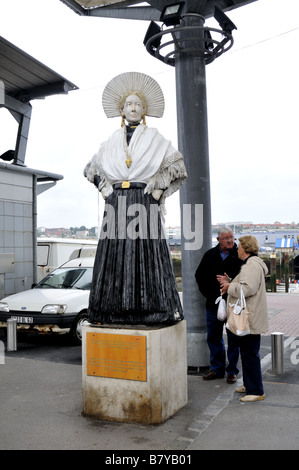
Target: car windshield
(67, 278)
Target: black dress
(133, 280)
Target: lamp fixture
(209, 44)
(8, 156)
(171, 14)
(226, 24)
(152, 30)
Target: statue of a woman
(135, 170)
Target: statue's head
(133, 88)
(133, 106)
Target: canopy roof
(95, 3)
(22, 79)
(25, 78)
(149, 10)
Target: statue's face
(133, 109)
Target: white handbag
(238, 321)
(221, 312)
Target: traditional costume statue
(135, 170)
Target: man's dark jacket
(211, 265)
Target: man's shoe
(211, 376)
(241, 389)
(231, 379)
(251, 398)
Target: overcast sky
(253, 104)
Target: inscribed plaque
(116, 356)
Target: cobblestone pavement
(283, 313)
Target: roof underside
(22, 79)
(25, 78)
(149, 10)
(205, 4)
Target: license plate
(23, 319)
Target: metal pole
(34, 229)
(11, 334)
(1, 286)
(195, 193)
(277, 353)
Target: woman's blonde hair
(249, 244)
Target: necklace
(126, 143)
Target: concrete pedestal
(139, 377)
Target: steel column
(195, 193)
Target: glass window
(68, 278)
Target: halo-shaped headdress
(131, 82)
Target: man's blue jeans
(217, 348)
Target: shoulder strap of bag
(242, 298)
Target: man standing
(220, 261)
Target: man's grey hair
(223, 229)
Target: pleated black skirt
(133, 279)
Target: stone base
(148, 389)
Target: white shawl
(154, 162)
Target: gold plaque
(125, 184)
(116, 356)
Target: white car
(57, 304)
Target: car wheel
(76, 330)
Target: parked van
(53, 252)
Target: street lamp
(223, 20)
(153, 36)
(171, 14)
(210, 44)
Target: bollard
(11, 334)
(277, 353)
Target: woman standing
(252, 280)
(135, 170)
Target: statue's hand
(157, 194)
